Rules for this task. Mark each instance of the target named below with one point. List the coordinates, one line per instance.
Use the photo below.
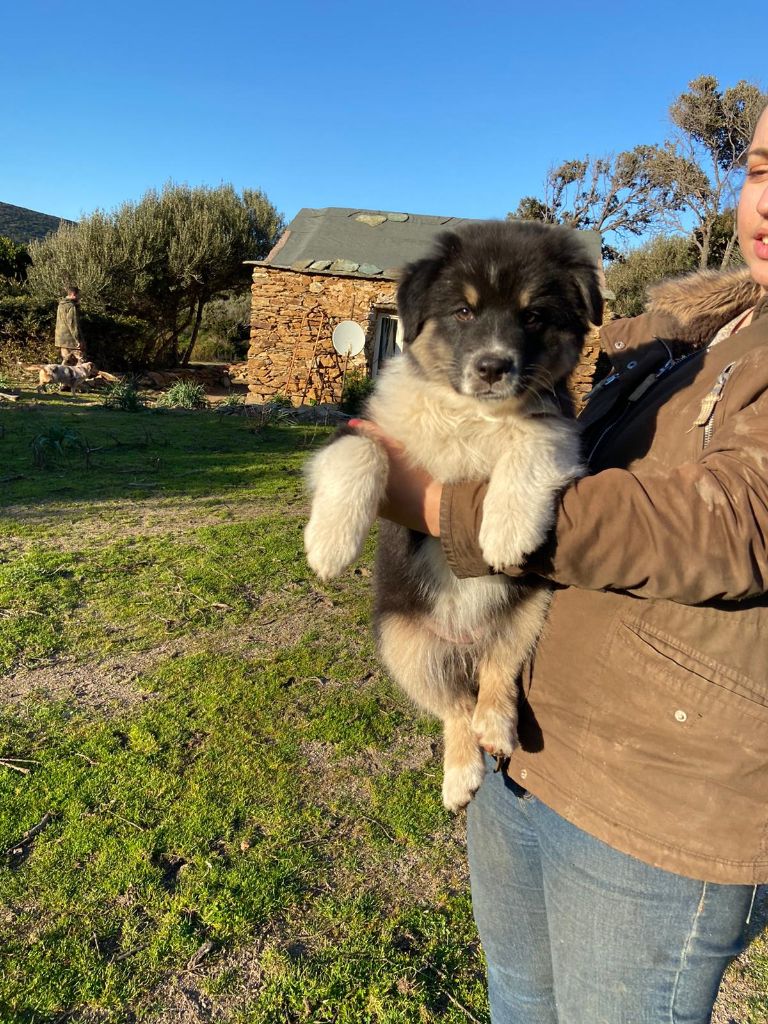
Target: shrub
(232, 404)
(211, 349)
(26, 330)
(357, 387)
(124, 395)
(57, 443)
(281, 401)
(224, 333)
(629, 276)
(184, 394)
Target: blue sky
(441, 108)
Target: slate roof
(22, 225)
(364, 243)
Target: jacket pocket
(709, 681)
(678, 751)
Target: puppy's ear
(587, 279)
(417, 280)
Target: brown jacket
(645, 712)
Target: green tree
(686, 184)
(620, 194)
(629, 276)
(14, 261)
(702, 163)
(160, 259)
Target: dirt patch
(110, 686)
(87, 525)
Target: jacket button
(680, 716)
(632, 364)
(523, 773)
(618, 345)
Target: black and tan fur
(493, 322)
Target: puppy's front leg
(348, 480)
(519, 506)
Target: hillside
(22, 225)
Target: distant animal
(72, 377)
(494, 319)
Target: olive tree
(702, 163)
(619, 193)
(160, 259)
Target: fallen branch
(9, 398)
(18, 848)
(17, 764)
(200, 955)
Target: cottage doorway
(388, 341)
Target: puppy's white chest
(460, 607)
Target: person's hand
(413, 497)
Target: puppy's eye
(464, 313)
(532, 319)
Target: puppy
(72, 377)
(494, 319)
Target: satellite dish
(348, 338)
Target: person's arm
(413, 497)
(73, 322)
(698, 532)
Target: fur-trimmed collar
(703, 302)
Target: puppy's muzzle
(494, 368)
(495, 375)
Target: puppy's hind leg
(463, 767)
(495, 719)
(348, 480)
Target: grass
(237, 808)
(240, 816)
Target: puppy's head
(47, 374)
(499, 310)
(87, 368)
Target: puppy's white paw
(348, 480)
(328, 546)
(461, 782)
(495, 731)
(505, 537)
(519, 506)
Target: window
(388, 340)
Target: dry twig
(29, 835)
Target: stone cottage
(333, 265)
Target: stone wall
(292, 319)
(580, 381)
(293, 315)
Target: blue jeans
(575, 932)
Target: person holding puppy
(69, 331)
(615, 861)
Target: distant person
(69, 331)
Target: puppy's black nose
(493, 368)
